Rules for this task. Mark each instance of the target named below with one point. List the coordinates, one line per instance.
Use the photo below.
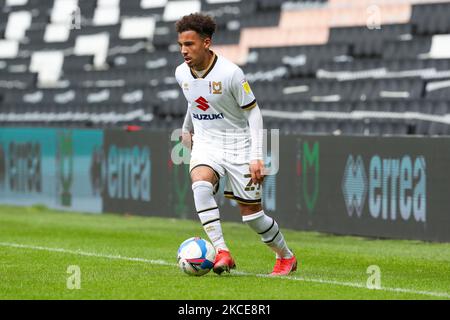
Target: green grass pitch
(131, 257)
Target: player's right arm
(187, 130)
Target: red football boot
(223, 262)
(283, 267)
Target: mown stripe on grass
(165, 263)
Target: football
(196, 256)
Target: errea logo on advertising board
(395, 187)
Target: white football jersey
(217, 102)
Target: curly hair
(203, 24)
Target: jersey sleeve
(187, 124)
(255, 123)
(242, 91)
(178, 76)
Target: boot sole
(294, 267)
(220, 269)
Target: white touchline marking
(87, 254)
(165, 263)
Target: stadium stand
(329, 67)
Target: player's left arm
(247, 102)
(255, 123)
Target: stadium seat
(431, 18)
(303, 57)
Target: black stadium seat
(431, 18)
(366, 42)
(407, 49)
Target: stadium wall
(52, 167)
(386, 187)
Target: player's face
(194, 49)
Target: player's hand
(186, 140)
(257, 170)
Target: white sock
(271, 235)
(208, 212)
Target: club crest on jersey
(202, 104)
(217, 87)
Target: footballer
(224, 128)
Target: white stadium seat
(176, 9)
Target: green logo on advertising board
(65, 166)
(309, 169)
(2, 167)
(181, 184)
